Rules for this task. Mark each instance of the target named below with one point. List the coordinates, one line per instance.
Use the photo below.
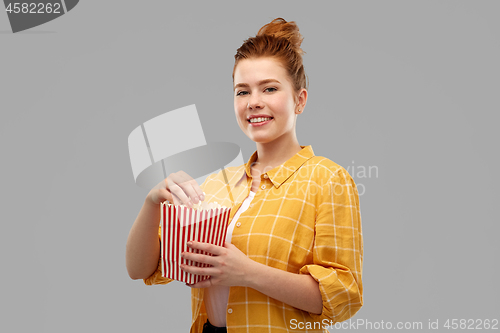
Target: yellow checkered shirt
(304, 219)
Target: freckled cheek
(240, 103)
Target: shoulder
(324, 168)
(333, 179)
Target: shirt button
(238, 224)
(266, 176)
(229, 310)
(263, 187)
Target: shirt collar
(281, 173)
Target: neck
(273, 154)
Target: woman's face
(263, 92)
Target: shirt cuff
(156, 277)
(341, 299)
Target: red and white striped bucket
(181, 224)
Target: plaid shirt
(304, 219)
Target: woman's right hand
(178, 188)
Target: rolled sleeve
(338, 249)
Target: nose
(254, 102)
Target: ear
(301, 101)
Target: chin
(261, 140)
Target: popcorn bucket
(181, 224)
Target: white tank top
(216, 297)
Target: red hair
(281, 40)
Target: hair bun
(280, 40)
(280, 28)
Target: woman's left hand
(230, 266)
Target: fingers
(178, 188)
(159, 194)
(199, 258)
(203, 271)
(178, 195)
(226, 265)
(164, 194)
(184, 189)
(209, 248)
(212, 261)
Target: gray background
(410, 88)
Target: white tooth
(259, 119)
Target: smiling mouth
(259, 120)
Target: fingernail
(189, 243)
(202, 197)
(189, 203)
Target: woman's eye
(271, 89)
(239, 93)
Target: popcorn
(205, 222)
(202, 205)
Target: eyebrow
(259, 83)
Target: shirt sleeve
(338, 249)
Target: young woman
(294, 251)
